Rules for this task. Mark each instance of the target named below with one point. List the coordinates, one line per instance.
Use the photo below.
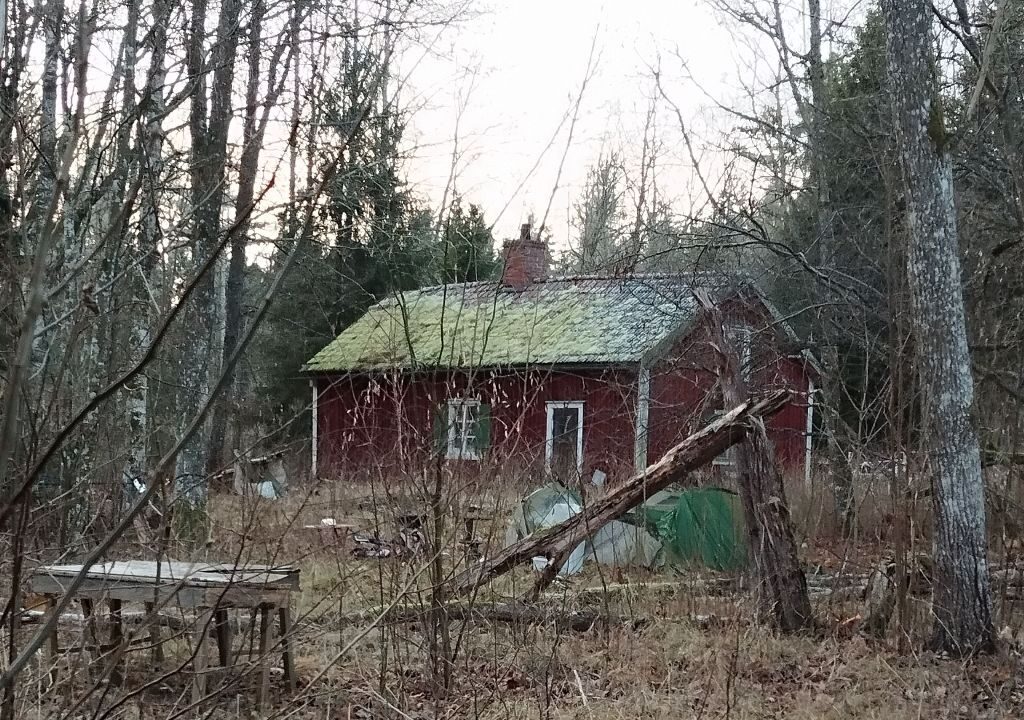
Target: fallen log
(513, 613)
(255, 461)
(556, 543)
(708, 586)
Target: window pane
(565, 421)
(462, 432)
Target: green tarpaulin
(700, 525)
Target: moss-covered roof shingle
(554, 322)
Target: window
(465, 437)
(564, 447)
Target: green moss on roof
(559, 321)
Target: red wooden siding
(371, 421)
(682, 382)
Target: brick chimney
(526, 259)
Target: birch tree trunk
(150, 149)
(45, 178)
(208, 126)
(962, 603)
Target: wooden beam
(556, 543)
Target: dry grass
(700, 655)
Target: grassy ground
(699, 653)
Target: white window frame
(316, 428)
(457, 416)
(808, 448)
(549, 444)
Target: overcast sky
(509, 76)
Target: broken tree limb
(695, 451)
(221, 477)
(780, 584)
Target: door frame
(549, 439)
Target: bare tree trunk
(253, 131)
(780, 585)
(962, 602)
(48, 104)
(208, 125)
(45, 175)
(842, 474)
(150, 167)
(12, 52)
(814, 112)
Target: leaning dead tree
(556, 544)
(780, 585)
(962, 603)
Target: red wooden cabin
(569, 375)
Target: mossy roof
(559, 321)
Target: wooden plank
(184, 595)
(241, 597)
(99, 590)
(191, 574)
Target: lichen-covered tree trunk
(962, 602)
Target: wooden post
(265, 629)
(52, 644)
(91, 651)
(155, 640)
(116, 636)
(199, 662)
(223, 637)
(288, 662)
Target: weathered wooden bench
(209, 590)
